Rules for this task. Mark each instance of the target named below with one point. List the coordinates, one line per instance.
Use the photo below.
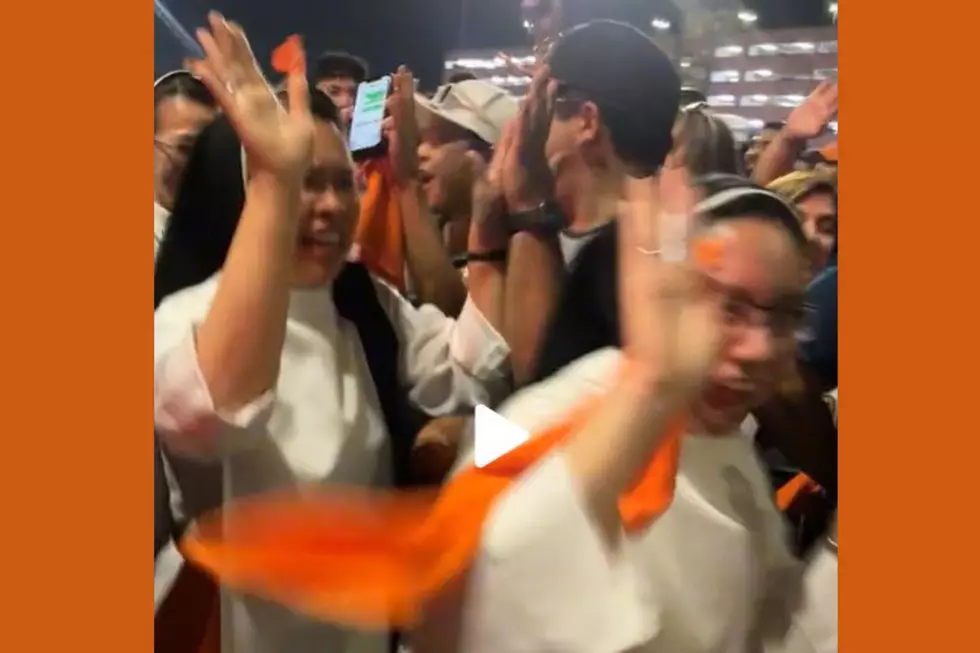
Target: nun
(182, 106)
(279, 364)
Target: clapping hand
(526, 177)
(402, 127)
(277, 140)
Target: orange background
(76, 268)
(910, 435)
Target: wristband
(545, 219)
(492, 256)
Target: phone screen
(369, 112)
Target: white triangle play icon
(494, 435)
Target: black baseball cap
(631, 81)
(341, 64)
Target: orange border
(77, 273)
(909, 445)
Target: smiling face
(762, 282)
(330, 209)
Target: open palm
(810, 118)
(277, 140)
(670, 324)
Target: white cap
(173, 73)
(474, 105)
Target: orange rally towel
(289, 56)
(373, 558)
(379, 237)
(795, 487)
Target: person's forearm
(777, 159)
(436, 280)
(534, 275)
(487, 281)
(239, 343)
(610, 453)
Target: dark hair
(460, 76)
(208, 205)
(180, 84)
(736, 196)
(340, 64)
(709, 145)
(773, 125)
(630, 80)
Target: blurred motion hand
(671, 322)
(810, 119)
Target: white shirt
(714, 574)
(321, 423)
(572, 244)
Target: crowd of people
(601, 262)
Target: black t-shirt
(587, 316)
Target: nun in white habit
(276, 363)
(714, 573)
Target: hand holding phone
(366, 133)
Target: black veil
(208, 205)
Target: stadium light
(660, 24)
(747, 17)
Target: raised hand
(810, 119)
(526, 177)
(403, 132)
(671, 324)
(277, 140)
(487, 228)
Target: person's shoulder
(189, 304)
(548, 399)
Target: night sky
(418, 32)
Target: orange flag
(375, 559)
(380, 237)
(289, 56)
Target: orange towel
(380, 239)
(794, 488)
(375, 559)
(289, 56)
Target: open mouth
(725, 397)
(320, 239)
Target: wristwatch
(546, 218)
(491, 256)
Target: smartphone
(366, 137)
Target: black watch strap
(492, 256)
(546, 218)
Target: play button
(494, 435)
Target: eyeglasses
(740, 311)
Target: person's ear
(589, 123)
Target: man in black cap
(614, 96)
(337, 74)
